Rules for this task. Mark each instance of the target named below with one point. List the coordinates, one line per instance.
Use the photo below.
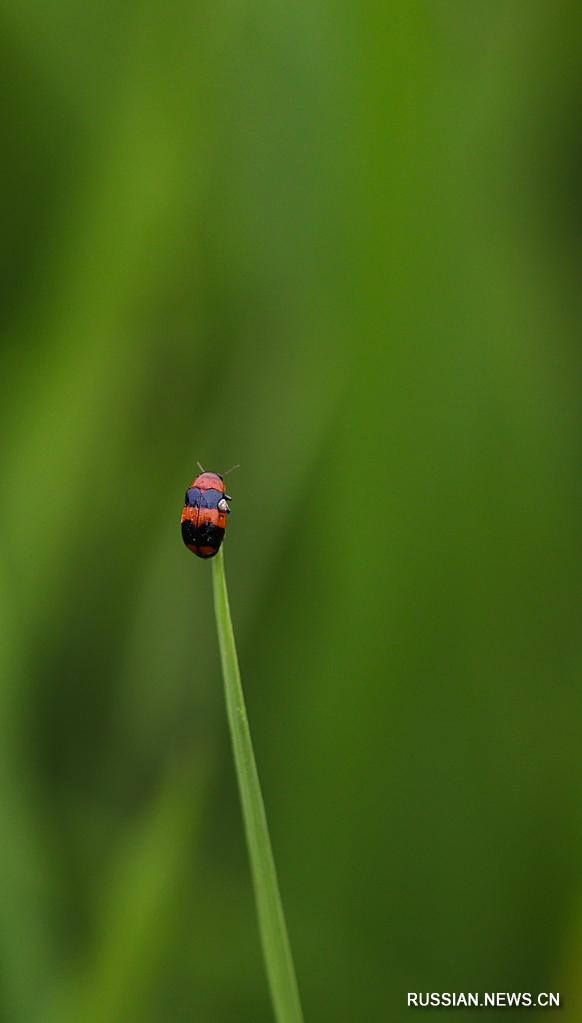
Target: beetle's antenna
(232, 468)
(200, 467)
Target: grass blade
(272, 926)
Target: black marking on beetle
(209, 535)
(193, 497)
(196, 498)
(189, 532)
(205, 535)
(210, 498)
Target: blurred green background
(338, 243)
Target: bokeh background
(338, 243)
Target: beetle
(204, 514)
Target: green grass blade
(273, 930)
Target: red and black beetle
(204, 514)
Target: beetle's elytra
(204, 514)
